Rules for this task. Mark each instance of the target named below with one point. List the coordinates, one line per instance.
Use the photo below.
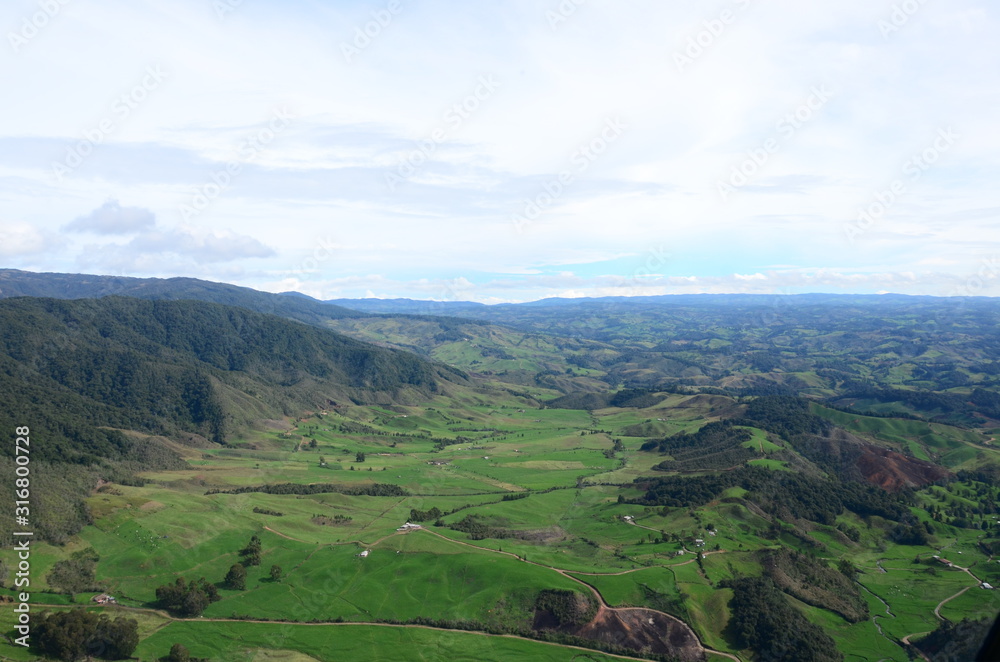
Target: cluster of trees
(816, 583)
(934, 405)
(75, 574)
(180, 653)
(251, 553)
(187, 599)
(913, 533)
(785, 494)
(562, 609)
(787, 416)
(266, 511)
(978, 487)
(956, 642)
(716, 446)
(763, 620)
(425, 515)
(336, 520)
(236, 578)
(478, 529)
(373, 489)
(515, 496)
(75, 634)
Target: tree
(4, 571)
(211, 592)
(178, 653)
(120, 637)
(359, 457)
(322, 461)
(236, 578)
(194, 602)
(74, 574)
(847, 568)
(71, 635)
(251, 553)
(276, 572)
(189, 599)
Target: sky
(502, 151)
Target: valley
(566, 531)
(261, 488)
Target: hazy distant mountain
(415, 306)
(407, 306)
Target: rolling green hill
(699, 478)
(494, 351)
(80, 371)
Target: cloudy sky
(506, 150)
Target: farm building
(104, 599)
(409, 527)
(363, 554)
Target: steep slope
(77, 372)
(188, 363)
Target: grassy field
(463, 457)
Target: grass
(148, 535)
(333, 643)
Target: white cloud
(21, 239)
(112, 218)
(655, 185)
(173, 251)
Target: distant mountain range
(422, 307)
(295, 305)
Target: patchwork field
(512, 502)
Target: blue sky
(506, 151)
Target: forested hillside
(15, 283)
(78, 371)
